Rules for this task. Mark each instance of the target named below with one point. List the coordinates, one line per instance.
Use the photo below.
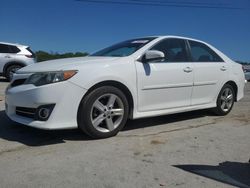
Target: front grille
(18, 82)
(26, 112)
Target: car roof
(14, 44)
(176, 36)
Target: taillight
(29, 56)
(33, 55)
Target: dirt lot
(194, 149)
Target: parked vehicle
(14, 57)
(138, 78)
(247, 74)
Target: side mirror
(153, 55)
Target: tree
(44, 56)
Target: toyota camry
(142, 77)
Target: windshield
(125, 48)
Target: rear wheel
(225, 100)
(11, 70)
(103, 112)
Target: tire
(225, 100)
(103, 112)
(11, 70)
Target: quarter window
(14, 49)
(202, 53)
(173, 49)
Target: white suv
(14, 57)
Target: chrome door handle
(187, 69)
(223, 68)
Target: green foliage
(44, 56)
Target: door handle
(187, 69)
(7, 56)
(223, 68)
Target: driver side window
(173, 49)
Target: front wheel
(103, 112)
(225, 100)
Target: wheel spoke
(223, 105)
(117, 112)
(226, 92)
(110, 124)
(223, 98)
(111, 101)
(229, 97)
(99, 106)
(97, 121)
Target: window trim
(190, 53)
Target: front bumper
(66, 97)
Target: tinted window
(202, 53)
(125, 48)
(4, 48)
(14, 49)
(174, 50)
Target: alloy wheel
(226, 99)
(107, 113)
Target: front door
(168, 83)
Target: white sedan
(137, 78)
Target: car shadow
(29, 136)
(231, 173)
(166, 119)
(3, 80)
(12, 131)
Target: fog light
(43, 112)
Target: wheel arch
(7, 65)
(118, 85)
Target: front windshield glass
(125, 48)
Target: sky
(71, 26)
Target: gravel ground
(194, 149)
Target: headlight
(43, 78)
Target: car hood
(66, 64)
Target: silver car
(14, 57)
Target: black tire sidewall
(84, 120)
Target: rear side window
(202, 53)
(14, 49)
(4, 48)
(174, 50)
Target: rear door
(210, 72)
(168, 83)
